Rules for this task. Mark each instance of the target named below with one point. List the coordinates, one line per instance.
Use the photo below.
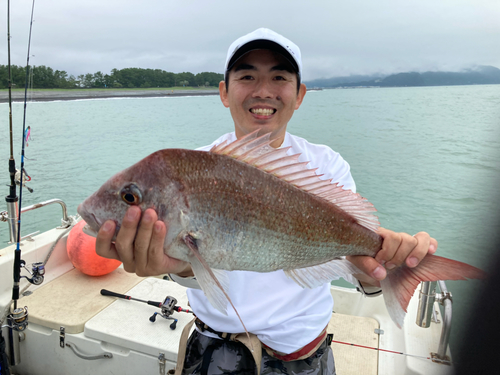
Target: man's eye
(279, 78)
(247, 77)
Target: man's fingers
(425, 244)
(143, 239)
(407, 245)
(139, 244)
(369, 266)
(125, 238)
(156, 253)
(392, 241)
(433, 246)
(400, 247)
(103, 245)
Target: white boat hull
(96, 324)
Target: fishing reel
(18, 319)
(37, 272)
(26, 178)
(167, 307)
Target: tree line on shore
(43, 77)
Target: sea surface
(426, 157)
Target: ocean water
(427, 157)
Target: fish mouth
(92, 223)
(87, 229)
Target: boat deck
(81, 308)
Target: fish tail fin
(400, 284)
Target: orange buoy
(81, 252)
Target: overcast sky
(336, 37)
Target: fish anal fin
(314, 276)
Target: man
(262, 89)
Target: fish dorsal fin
(256, 151)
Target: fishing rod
(11, 199)
(167, 307)
(17, 253)
(18, 319)
(394, 352)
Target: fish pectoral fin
(212, 282)
(314, 276)
(213, 286)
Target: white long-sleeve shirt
(283, 315)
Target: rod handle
(106, 292)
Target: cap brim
(262, 44)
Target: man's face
(262, 94)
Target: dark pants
(209, 356)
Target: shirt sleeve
(188, 282)
(333, 166)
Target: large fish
(247, 206)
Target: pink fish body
(247, 206)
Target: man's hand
(397, 248)
(139, 245)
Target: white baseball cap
(264, 39)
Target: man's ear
(300, 95)
(223, 94)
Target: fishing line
(17, 255)
(394, 352)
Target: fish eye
(131, 195)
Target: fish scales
(262, 222)
(224, 214)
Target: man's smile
(263, 111)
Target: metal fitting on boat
(426, 300)
(445, 299)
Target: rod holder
(11, 217)
(12, 209)
(445, 299)
(426, 300)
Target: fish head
(145, 184)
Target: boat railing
(426, 313)
(11, 215)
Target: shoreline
(80, 94)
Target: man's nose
(263, 89)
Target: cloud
(336, 38)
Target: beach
(80, 94)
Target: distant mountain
(336, 81)
(479, 75)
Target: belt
(304, 352)
(223, 335)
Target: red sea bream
(247, 206)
